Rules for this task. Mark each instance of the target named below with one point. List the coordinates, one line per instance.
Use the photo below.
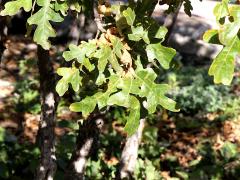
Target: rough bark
(130, 154)
(46, 136)
(86, 144)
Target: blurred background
(201, 142)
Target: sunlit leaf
(222, 67)
(13, 7)
(69, 75)
(164, 55)
(130, 16)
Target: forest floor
(183, 142)
(183, 136)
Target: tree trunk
(46, 135)
(130, 154)
(169, 23)
(2, 35)
(86, 144)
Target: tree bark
(49, 101)
(86, 144)
(2, 36)
(130, 154)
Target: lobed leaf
(130, 16)
(13, 7)
(139, 33)
(221, 9)
(164, 55)
(222, 67)
(42, 19)
(86, 106)
(69, 75)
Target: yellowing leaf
(126, 58)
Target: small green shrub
(195, 92)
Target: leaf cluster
(121, 57)
(227, 35)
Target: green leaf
(134, 116)
(101, 79)
(130, 16)
(132, 122)
(41, 18)
(61, 87)
(187, 7)
(86, 49)
(61, 6)
(161, 33)
(154, 93)
(90, 67)
(142, 85)
(139, 33)
(117, 45)
(120, 99)
(74, 53)
(103, 55)
(115, 64)
(221, 9)
(229, 30)
(102, 97)
(124, 99)
(13, 7)
(69, 75)
(222, 67)
(86, 106)
(211, 36)
(82, 53)
(164, 55)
